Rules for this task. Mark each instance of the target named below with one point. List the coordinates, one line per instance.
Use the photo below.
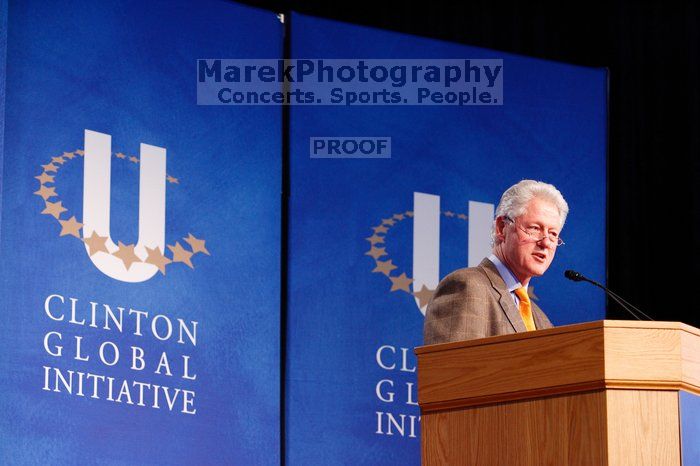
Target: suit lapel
(505, 299)
(537, 314)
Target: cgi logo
(96, 206)
(426, 215)
(123, 262)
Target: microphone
(577, 277)
(573, 275)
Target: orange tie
(525, 308)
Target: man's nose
(546, 242)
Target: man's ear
(500, 227)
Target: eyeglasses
(535, 233)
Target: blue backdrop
(353, 319)
(127, 69)
(690, 431)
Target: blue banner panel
(140, 239)
(3, 70)
(690, 429)
(371, 236)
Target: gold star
(44, 178)
(400, 283)
(54, 208)
(59, 160)
(126, 254)
(449, 214)
(462, 216)
(374, 239)
(424, 295)
(133, 159)
(79, 152)
(388, 221)
(197, 245)
(376, 253)
(180, 254)
(50, 167)
(96, 243)
(46, 192)
(68, 155)
(157, 258)
(70, 227)
(172, 179)
(120, 155)
(380, 229)
(409, 213)
(384, 267)
(398, 216)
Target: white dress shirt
(512, 283)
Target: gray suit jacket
(474, 303)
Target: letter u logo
(96, 206)
(426, 239)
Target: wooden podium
(599, 393)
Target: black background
(651, 50)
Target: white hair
(515, 199)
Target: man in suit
(491, 299)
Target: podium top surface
(566, 359)
(598, 324)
